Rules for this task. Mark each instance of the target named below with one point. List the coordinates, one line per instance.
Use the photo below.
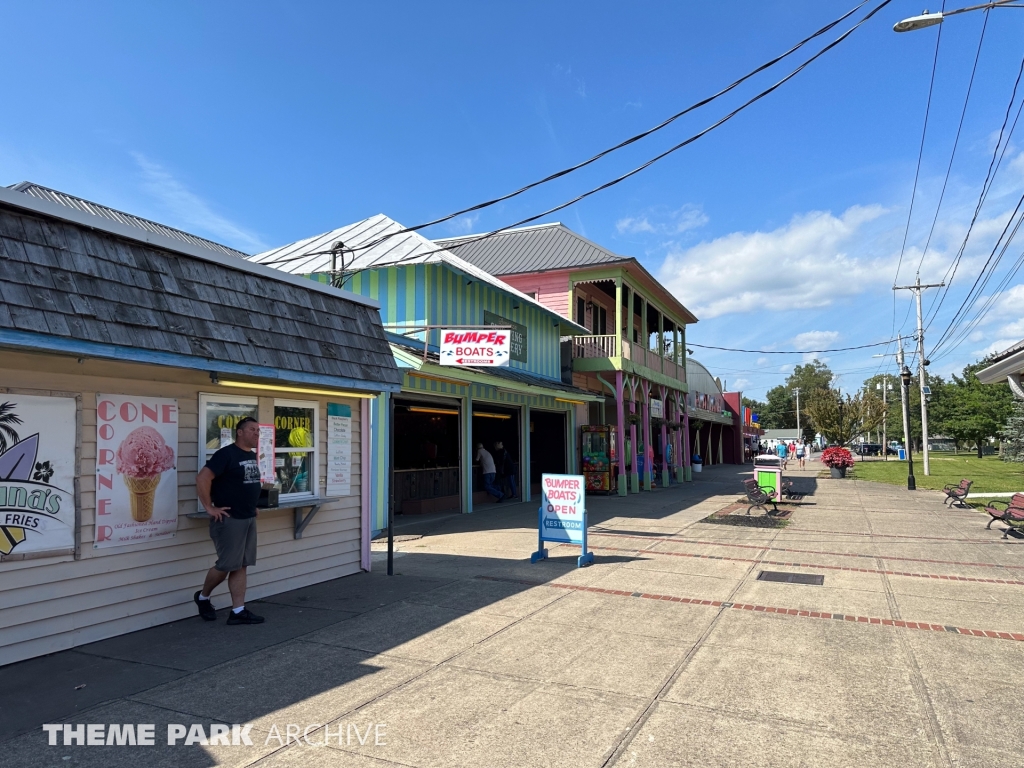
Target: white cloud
(660, 220)
(762, 361)
(806, 263)
(815, 339)
(785, 369)
(740, 385)
(463, 225)
(635, 104)
(195, 214)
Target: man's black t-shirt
(236, 482)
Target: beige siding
(53, 603)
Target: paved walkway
(667, 652)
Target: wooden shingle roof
(73, 279)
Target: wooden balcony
(593, 349)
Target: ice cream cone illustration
(141, 458)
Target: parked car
(868, 449)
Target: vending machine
(600, 452)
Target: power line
(993, 169)
(917, 174)
(956, 140)
(607, 184)
(633, 139)
(790, 352)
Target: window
(218, 415)
(295, 447)
(600, 320)
(581, 311)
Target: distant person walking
(487, 470)
(228, 488)
(507, 469)
(782, 451)
(800, 449)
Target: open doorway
(493, 425)
(428, 471)
(547, 445)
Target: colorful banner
(339, 450)
(37, 474)
(136, 469)
(483, 348)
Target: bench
(1012, 515)
(955, 494)
(759, 497)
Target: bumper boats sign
(37, 475)
(136, 474)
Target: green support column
(524, 475)
(618, 317)
(467, 451)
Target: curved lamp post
(931, 19)
(906, 376)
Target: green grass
(990, 474)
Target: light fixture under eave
(567, 400)
(492, 415)
(445, 411)
(283, 388)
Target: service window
(296, 443)
(218, 415)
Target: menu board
(339, 450)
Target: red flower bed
(837, 457)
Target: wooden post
(621, 416)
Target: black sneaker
(206, 610)
(244, 617)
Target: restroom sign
(562, 516)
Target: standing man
(487, 470)
(504, 462)
(782, 451)
(229, 487)
(800, 453)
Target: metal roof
(314, 254)
(63, 198)
(531, 249)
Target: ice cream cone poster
(37, 475)
(136, 469)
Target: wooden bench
(759, 497)
(955, 494)
(1012, 515)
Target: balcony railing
(604, 346)
(593, 346)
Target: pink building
(636, 357)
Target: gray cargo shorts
(235, 541)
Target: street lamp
(931, 19)
(905, 377)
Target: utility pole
(885, 416)
(922, 363)
(799, 433)
(905, 408)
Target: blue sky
(257, 124)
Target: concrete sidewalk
(668, 651)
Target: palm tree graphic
(7, 418)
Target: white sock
(203, 597)
(239, 609)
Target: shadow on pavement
(318, 652)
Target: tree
(811, 377)
(840, 417)
(1013, 433)
(779, 410)
(972, 412)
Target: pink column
(686, 446)
(646, 423)
(634, 478)
(621, 416)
